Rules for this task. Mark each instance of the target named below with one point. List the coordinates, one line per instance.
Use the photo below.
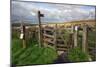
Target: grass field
(32, 54)
(47, 55)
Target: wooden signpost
(40, 28)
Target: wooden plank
(60, 40)
(92, 48)
(46, 35)
(48, 29)
(48, 40)
(61, 49)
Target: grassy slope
(32, 54)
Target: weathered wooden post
(24, 41)
(85, 38)
(72, 36)
(55, 36)
(22, 35)
(85, 41)
(72, 29)
(75, 36)
(40, 28)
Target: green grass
(32, 54)
(46, 55)
(92, 38)
(73, 56)
(77, 55)
(91, 42)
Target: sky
(27, 11)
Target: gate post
(72, 36)
(75, 36)
(85, 38)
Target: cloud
(52, 12)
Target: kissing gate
(61, 36)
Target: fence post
(55, 35)
(75, 36)
(22, 35)
(44, 32)
(72, 36)
(85, 38)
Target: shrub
(48, 56)
(16, 44)
(32, 54)
(15, 34)
(38, 56)
(77, 55)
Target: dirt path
(62, 58)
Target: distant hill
(26, 24)
(89, 22)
